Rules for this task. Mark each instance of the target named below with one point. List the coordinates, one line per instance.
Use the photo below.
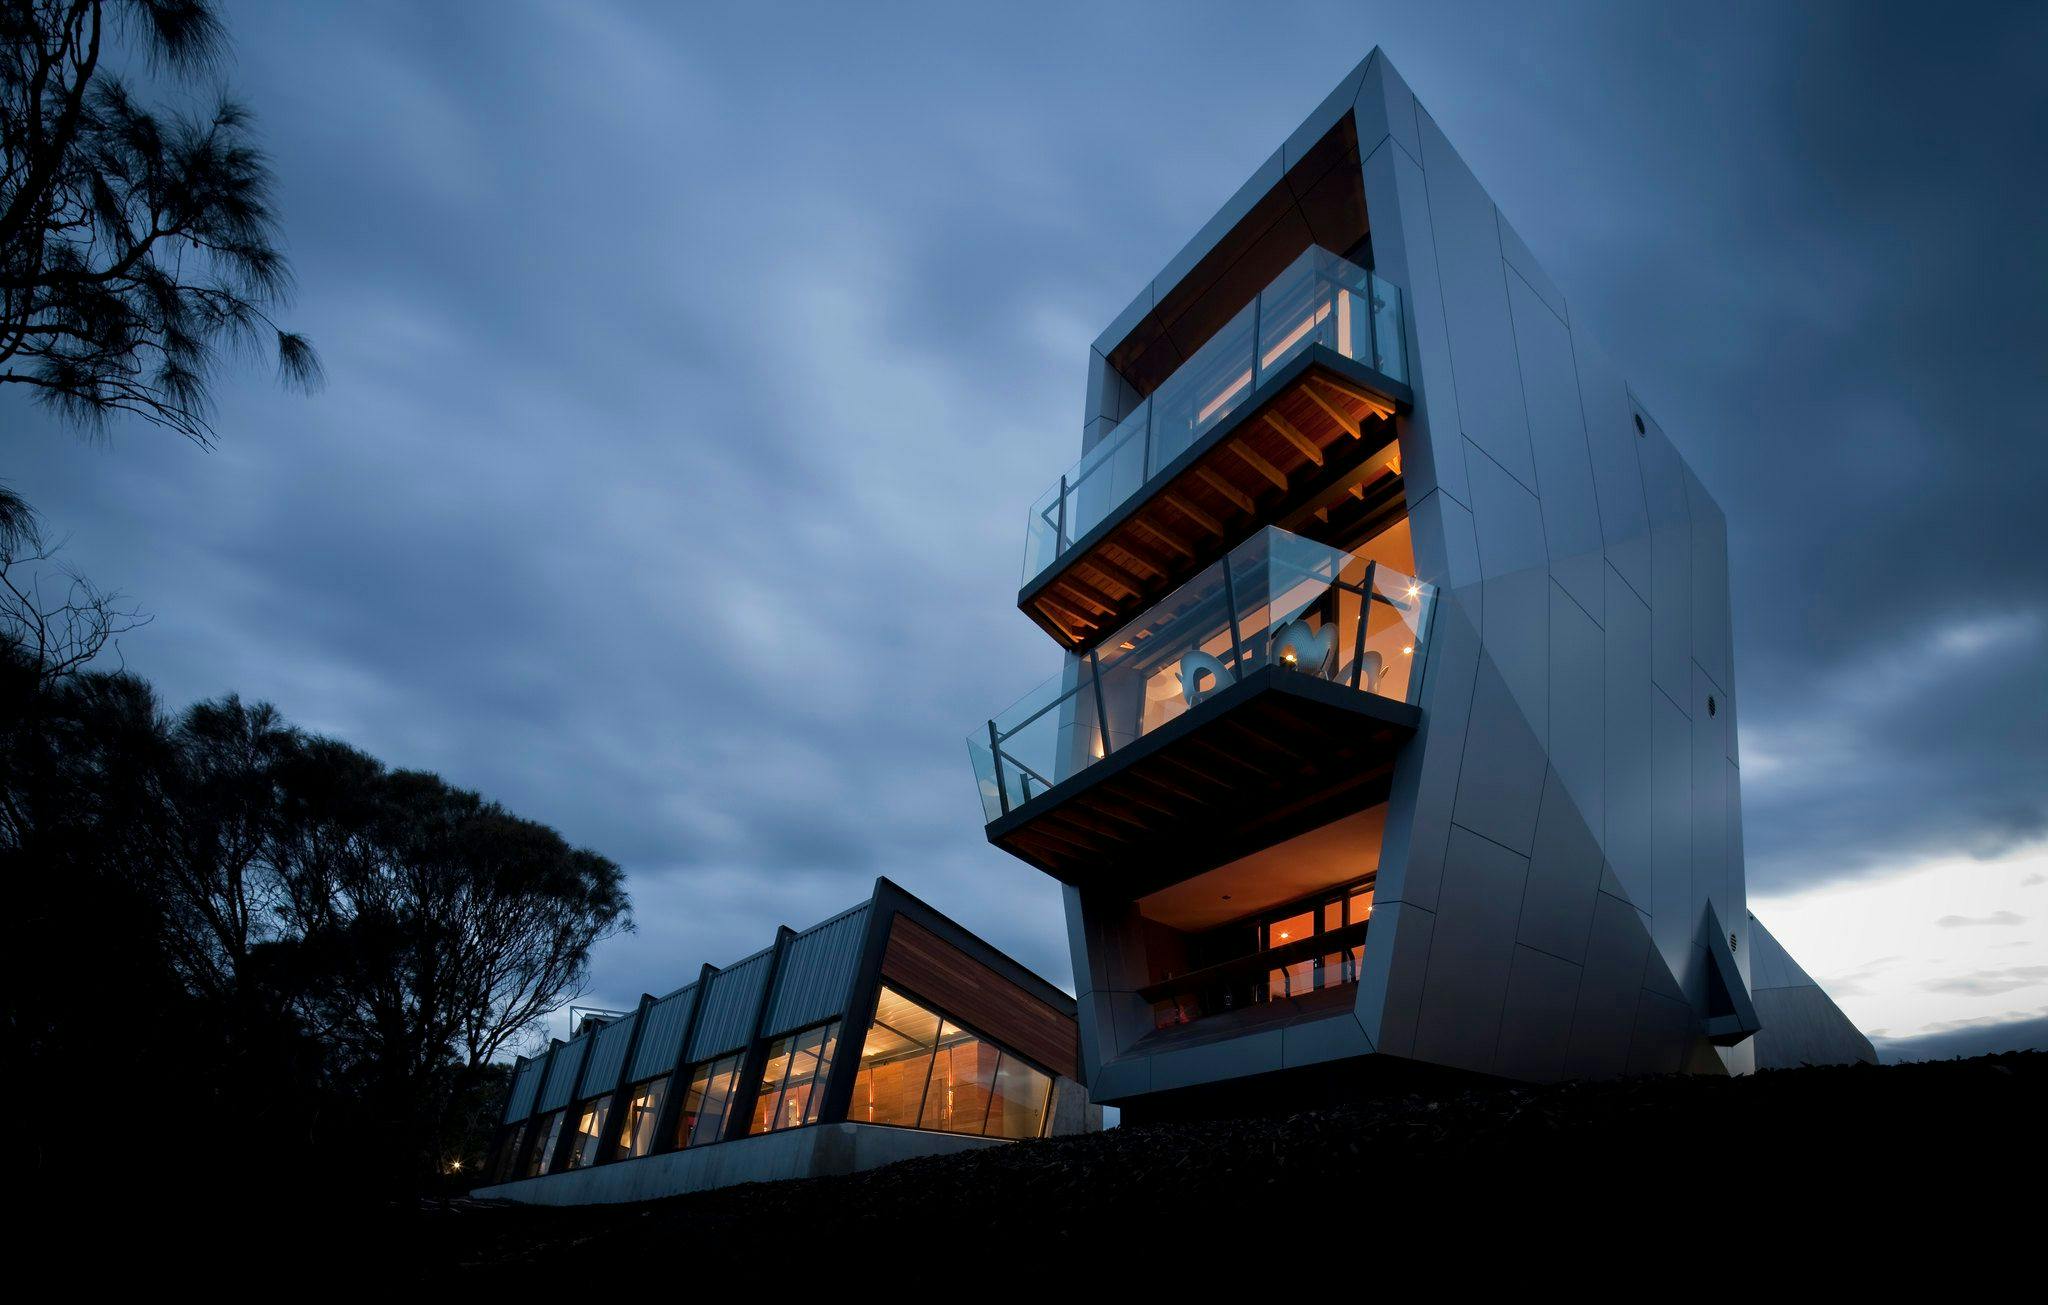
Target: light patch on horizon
(1933, 948)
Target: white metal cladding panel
(562, 1075)
(729, 1007)
(525, 1086)
(662, 1040)
(608, 1055)
(816, 971)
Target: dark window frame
(1004, 1052)
(818, 1079)
(621, 1135)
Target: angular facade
(754, 1072)
(1396, 725)
(1801, 1023)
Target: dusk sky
(691, 369)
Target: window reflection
(919, 1071)
(513, 1155)
(546, 1136)
(793, 1080)
(590, 1117)
(643, 1107)
(1021, 1095)
(704, 1105)
(895, 1061)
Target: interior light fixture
(1408, 650)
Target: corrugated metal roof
(562, 1073)
(608, 1055)
(727, 1021)
(817, 970)
(662, 1040)
(525, 1086)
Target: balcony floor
(1318, 433)
(1258, 761)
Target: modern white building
(1396, 727)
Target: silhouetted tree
(309, 955)
(134, 244)
(52, 617)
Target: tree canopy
(307, 934)
(137, 244)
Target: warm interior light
(1414, 590)
(1408, 650)
(1322, 314)
(1223, 398)
(1285, 934)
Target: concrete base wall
(812, 1152)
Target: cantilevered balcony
(1282, 413)
(1268, 694)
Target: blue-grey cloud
(1990, 983)
(2013, 1031)
(690, 373)
(1998, 919)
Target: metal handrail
(1289, 573)
(1055, 516)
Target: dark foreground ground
(1909, 1160)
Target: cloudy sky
(691, 369)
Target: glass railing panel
(1276, 600)
(1042, 541)
(1048, 735)
(1397, 624)
(1319, 299)
(1295, 311)
(1389, 350)
(1172, 657)
(1111, 472)
(1203, 391)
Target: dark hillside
(1701, 1151)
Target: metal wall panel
(727, 1022)
(1515, 622)
(525, 1087)
(1557, 433)
(1564, 875)
(1470, 271)
(568, 1063)
(817, 970)
(1628, 810)
(662, 1041)
(608, 1054)
(1470, 953)
(1405, 253)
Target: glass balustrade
(1319, 299)
(1276, 600)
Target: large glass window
(963, 1076)
(1290, 933)
(704, 1106)
(547, 1134)
(920, 1071)
(895, 1061)
(512, 1156)
(793, 1080)
(1021, 1095)
(643, 1107)
(590, 1119)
